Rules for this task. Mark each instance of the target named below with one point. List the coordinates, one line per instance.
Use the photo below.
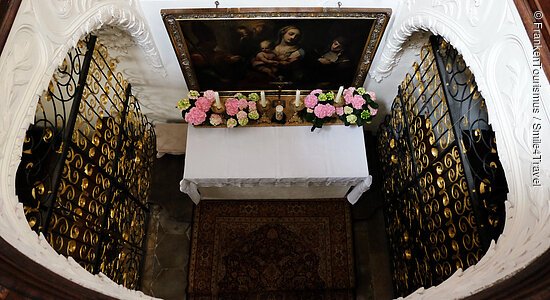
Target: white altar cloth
(288, 162)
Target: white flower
(351, 119)
(348, 110)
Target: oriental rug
(271, 250)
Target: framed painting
(274, 49)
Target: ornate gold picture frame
(275, 49)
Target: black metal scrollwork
(444, 186)
(85, 171)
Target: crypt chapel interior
(243, 150)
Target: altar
(287, 162)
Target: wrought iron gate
(86, 166)
(444, 185)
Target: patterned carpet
(271, 250)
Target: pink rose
(372, 95)
(310, 101)
(215, 119)
(330, 110)
(251, 105)
(349, 91)
(242, 115)
(317, 91)
(195, 116)
(210, 94)
(243, 104)
(373, 111)
(348, 98)
(232, 106)
(339, 110)
(203, 104)
(324, 110)
(357, 101)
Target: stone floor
(166, 263)
(372, 265)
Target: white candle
(218, 102)
(339, 95)
(262, 99)
(297, 101)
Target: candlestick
(218, 102)
(297, 101)
(339, 95)
(279, 112)
(262, 99)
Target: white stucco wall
(488, 33)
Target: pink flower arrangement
(196, 109)
(319, 108)
(358, 107)
(242, 109)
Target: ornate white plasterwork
(491, 38)
(413, 42)
(40, 37)
(154, 94)
(82, 17)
